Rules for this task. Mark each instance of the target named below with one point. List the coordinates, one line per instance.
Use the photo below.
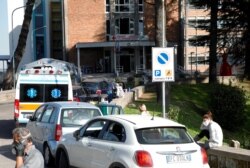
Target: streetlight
(12, 41)
(196, 57)
(191, 61)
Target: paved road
(6, 127)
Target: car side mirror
(31, 118)
(76, 134)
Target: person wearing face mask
(212, 131)
(27, 156)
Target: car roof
(69, 104)
(140, 121)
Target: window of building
(141, 27)
(107, 5)
(140, 6)
(56, 30)
(38, 32)
(124, 5)
(124, 26)
(191, 59)
(107, 30)
(193, 6)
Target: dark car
(80, 94)
(99, 89)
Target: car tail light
(16, 108)
(58, 132)
(143, 159)
(99, 92)
(204, 156)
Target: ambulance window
(56, 93)
(31, 93)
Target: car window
(46, 114)
(37, 114)
(93, 129)
(163, 135)
(78, 116)
(115, 132)
(116, 110)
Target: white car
(130, 141)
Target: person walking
(27, 156)
(211, 130)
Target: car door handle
(89, 144)
(111, 148)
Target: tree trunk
(18, 54)
(213, 43)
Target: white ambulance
(44, 80)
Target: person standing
(211, 130)
(143, 110)
(27, 156)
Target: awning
(115, 43)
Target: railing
(139, 69)
(119, 69)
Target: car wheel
(63, 160)
(48, 158)
(117, 165)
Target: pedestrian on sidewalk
(27, 156)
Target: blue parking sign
(162, 64)
(157, 72)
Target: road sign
(163, 64)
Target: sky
(4, 34)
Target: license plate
(178, 158)
(27, 115)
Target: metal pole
(191, 62)
(163, 45)
(196, 59)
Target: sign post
(163, 67)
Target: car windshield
(77, 116)
(163, 135)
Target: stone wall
(130, 96)
(229, 157)
(7, 96)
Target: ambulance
(44, 80)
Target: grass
(188, 102)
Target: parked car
(54, 119)
(110, 109)
(130, 141)
(99, 88)
(80, 94)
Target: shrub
(173, 112)
(228, 105)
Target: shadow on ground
(6, 152)
(6, 127)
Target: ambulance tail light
(16, 108)
(36, 71)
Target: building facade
(112, 35)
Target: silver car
(54, 119)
